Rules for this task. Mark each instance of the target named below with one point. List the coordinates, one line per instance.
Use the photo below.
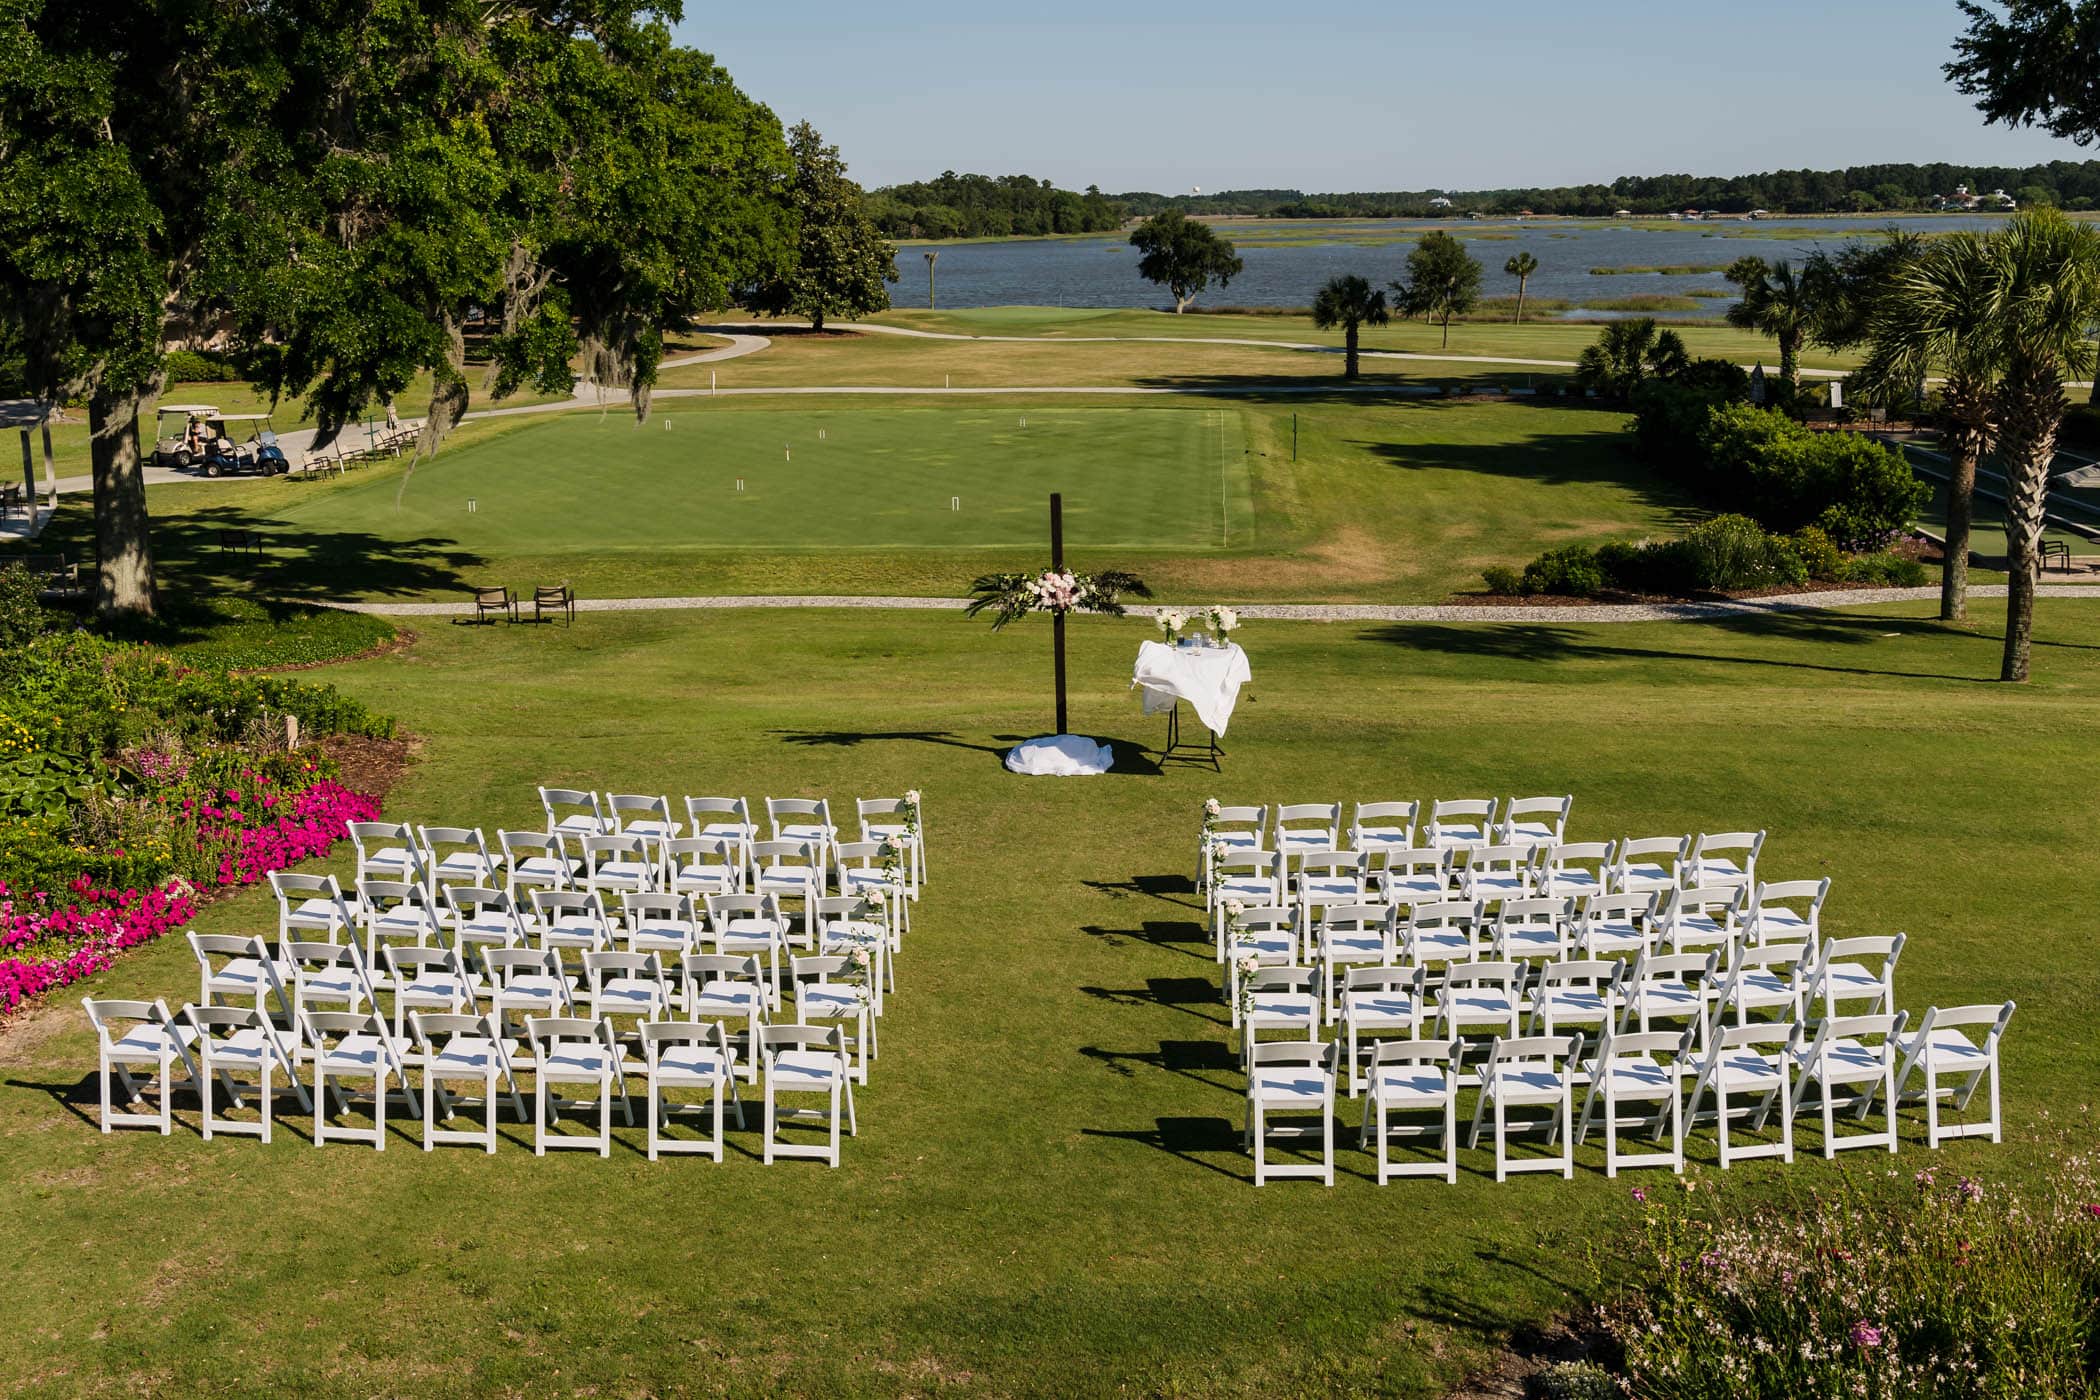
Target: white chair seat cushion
(247, 974)
(1414, 889)
(1457, 834)
(693, 1064)
(726, 999)
(1247, 889)
(1523, 942)
(144, 1044)
(1288, 1086)
(573, 1061)
(827, 1000)
(1640, 1077)
(573, 933)
(314, 913)
(1949, 1052)
(245, 1046)
(628, 994)
(1524, 1084)
(792, 1070)
(1330, 889)
(1845, 1062)
(1746, 1069)
(1475, 1007)
(1498, 884)
(466, 1054)
(440, 987)
(1378, 1010)
(1284, 1008)
(1410, 1084)
(1355, 946)
(1666, 999)
(464, 866)
(542, 988)
(1264, 944)
(358, 1054)
(1573, 1005)
(1851, 979)
(544, 868)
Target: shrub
(1944, 1287)
(1502, 580)
(1574, 1380)
(2081, 427)
(1570, 572)
(1652, 566)
(1732, 552)
(198, 367)
(1785, 476)
(22, 617)
(1669, 422)
(1891, 570)
(1819, 555)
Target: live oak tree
(840, 262)
(1442, 281)
(1349, 302)
(1521, 267)
(1183, 255)
(117, 119)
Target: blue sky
(1353, 95)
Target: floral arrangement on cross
(1056, 590)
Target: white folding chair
(830, 991)
(1573, 869)
(1651, 864)
(1256, 938)
(791, 871)
(234, 1043)
(724, 819)
(328, 976)
(536, 860)
(1938, 1050)
(482, 917)
(722, 987)
(572, 814)
(1771, 917)
(1848, 1064)
(806, 1060)
(876, 871)
(1228, 830)
(1856, 970)
(1291, 1079)
(1324, 878)
(234, 965)
(1462, 821)
(1447, 931)
(1727, 859)
(1575, 995)
(627, 863)
(750, 926)
(639, 814)
(355, 1045)
(1699, 918)
(898, 819)
(1480, 997)
(801, 819)
(464, 1048)
(387, 851)
(455, 855)
(1533, 930)
(526, 982)
(1300, 827)
(1413, 1077)
(1535, 821)
(1379, 1004)
(688, 1055)
(1253, 879)
(1352, 935)
(1641, 1068)
(133, 1035)
(1421, 875)
(571, 1050)
(1616, 925)
(848, 925)
(1768, 978)
(1491, 874)
(664, 924)
(698, 866)
(1668, 987)
(1276, 999)
(628, 984)
(571, 921)
(1378, 829)
(1528, 1072)
(394, 912)
(310, 904)
(429, 979)
(1746, 1069)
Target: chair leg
(379, 1097)
(656, 1099)
(539, 1116)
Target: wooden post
(1057, 623)
(50, 471)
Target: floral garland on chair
(1011, 597)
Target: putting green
(701, 475)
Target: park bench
(241, 542)
(494, 600)
(2055, 551)
(560, 599)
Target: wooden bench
(241, 542)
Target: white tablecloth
(1209, 678)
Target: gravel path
(1303, 612)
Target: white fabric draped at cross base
(1209, 678)
(1064, 756)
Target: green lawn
(708, 477)
(1047, 1195)
(1352, 498)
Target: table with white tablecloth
(1207, 677)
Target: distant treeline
(2073, 185)
(982, 206)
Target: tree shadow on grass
(1177, 935)
(301, 563)
(1546, 459)
(1191, 1059)
(1184, 1138)
(1548, 643)
(1160, 887)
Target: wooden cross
(1057, 565)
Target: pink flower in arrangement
(1971, 1190)
(2092, 1208)
(1866, 1336)
(1640, 1195)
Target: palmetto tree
(1777, 302)
(1627, 355)
(1937, 315)
(1349, 302)
(1521, 267)
(2044, 298)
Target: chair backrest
(227, 945)
(482, 905)
(1440, 861)
(637, 806)
(1283, 979)
(1595, 973)
(430, 1029)
(1447, 812)
(1717, 902)
(1401, 1052)
(1712, 843)
(1496, 860)
(1386, 816)
(783, 812)
(1751, 1035)
(407, 963)
(549, 1033)
(1881, 1029)
(1258, 863)
(1256, 817)
(1551, 1050)
(309, 959)
(579, 807)
(657, 1034)
(1509, 976)
(434, 836)
(377, 899)
(1253, 918)
(1979, 1014)
(1599, 908)
(326, 1029)
(215, 1022)
(1535, 912)
(773, 1039)
(1446, 913)
(1654, 850)
(1612, 1045)
(1386, 978)
(521, 846)
(1548, 812)
(721, 908)
(291, 885)
(1312, 1054)
(703, 852)
(720, 967)
(1888, 949)
(654, 908)
(601, 965)
(104, 1013)
(1336, 864)
(705, 812)
(1309, 818)
(1652, 967)
(507, 964)
(570, 907)
(605, 850)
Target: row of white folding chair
(1842, 1065)
(576, 813)
(790, 868)
(1386, 826)
(221, 1046)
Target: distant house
(1691, 213)
(1622, 213)
(1760, 213)
(1439, 202)
(1525, 214)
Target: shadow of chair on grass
(1178, 935)
(1183, 994)
(1185, 1137)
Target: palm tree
(1521, 267)
(1936, 315)
(1349, 302)
(1778, 303)
(1627, 355)
(2044, 296)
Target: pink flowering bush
(46, 944)
(1941, 1286)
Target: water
(1102, 272)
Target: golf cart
(260, 453)
(182, 444)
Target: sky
(1341, 95)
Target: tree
(1183, 255)
(1937, 315)
(2044, 298)
(841, 261)
(1627, 355)
(1521, 267)
(1442, 281)
(2039, 63)
(113, 125)
(1778, 302)
(1349, 302)
(1847, 284)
